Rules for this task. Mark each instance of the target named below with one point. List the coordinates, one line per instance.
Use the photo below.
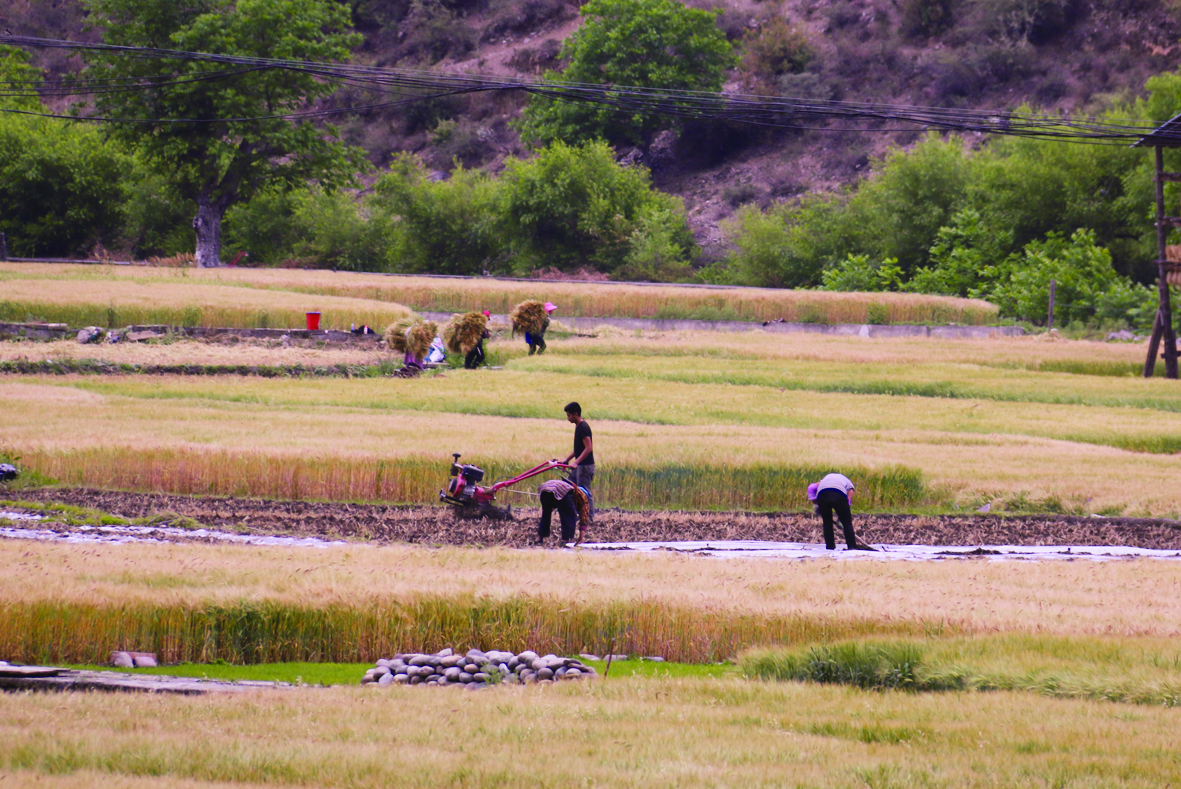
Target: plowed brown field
(437, 526)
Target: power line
(419, 85)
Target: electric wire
(413, 86)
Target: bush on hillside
(433, 32)
(776, 48)
(925, 17)
(636, 43)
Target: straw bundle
(411, 334)
(1173, 272)
(395, 333)
(527, 317)
(420, 336)
(462, 332)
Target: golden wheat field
(979, 422)
(43, 287)
(1051, 674)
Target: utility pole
(1162, 326)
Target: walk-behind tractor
(472, 500)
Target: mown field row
(623, 732)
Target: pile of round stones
(475, 670)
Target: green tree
(18, 79)
(629, 43)
(898, 212)
(1028, 188)
(576, 206)
(217, 164)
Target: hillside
(1070, 56)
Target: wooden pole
(1050, 318)
(1153, 346)
(1162, 327)
(3, 246)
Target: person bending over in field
(572, 504)
(834, 493)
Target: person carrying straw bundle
(531, 318)
(412, 337)
(465, 334)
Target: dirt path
(436, 525)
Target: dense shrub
(785, 246)
(1087, 288)
(526, 16)
(61, 183)
(961, 255)
(575, 206)
(313, 228)
(440, 227)
(858, 273)
(434, 31)
(157, 219)
(1021, 22)
(61, 187)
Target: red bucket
(313, 321)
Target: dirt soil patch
(435, 525)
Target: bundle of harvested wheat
(1173, 271)
(527, 317)
(462, 332)
(395, 333)
(412, 334)
(419, 338)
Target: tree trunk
(208, 226)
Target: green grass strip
(351, 673)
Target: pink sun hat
(550, 306)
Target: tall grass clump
(873, 665)
(1057, 667)
(418, 479)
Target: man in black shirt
(583, 456)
